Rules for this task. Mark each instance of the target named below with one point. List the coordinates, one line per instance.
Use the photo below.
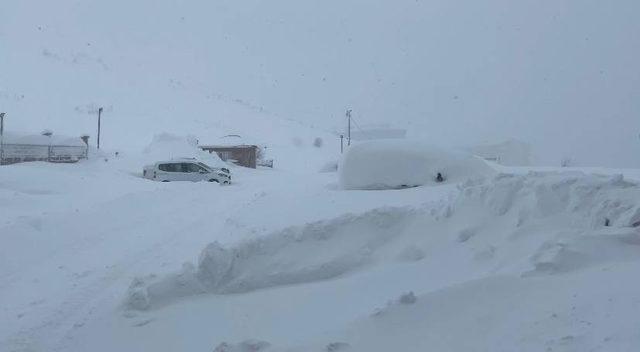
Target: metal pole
(1, 137)
(99, 116)
(349, 127)
(341, 143)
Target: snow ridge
(316, 251)
(535, 224)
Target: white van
(186, 170)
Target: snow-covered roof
(231, 140)
(509, 153)
(39, 139)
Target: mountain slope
(561, 76)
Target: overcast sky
(561, 75)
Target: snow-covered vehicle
(186, 170)
(395, 164)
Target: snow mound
(576, 199)
(166, 146)
(549, 223)
(524, 225)
(395, 164)
(339, 246)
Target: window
(169, 167)
(188, 167)
(205, 166)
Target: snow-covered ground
(322, 254)
(94, 257)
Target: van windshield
(205, 166)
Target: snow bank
(567, 244)
(396, 164)
(166, 146)
(339, 246)
(550, 223)
(527, 225)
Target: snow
(244, 346)
(99, 258)
(348, 243)
(508, 153)
(395, 164)
(559, 77)
(228, 141)
(575, 317)
(166, 146)
(281, 258)
(317, 253)
(39, 139)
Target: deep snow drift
(339, 246)
(395, 164)
(508, 239)
(166, 146)
(93, 259)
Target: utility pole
(2, 123)
(349, 127)
(99, 116)
(1, 137)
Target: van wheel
(214, 180)
(165, 180)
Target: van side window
(169, 167)
(184, 167)
(192, 167)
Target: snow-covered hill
(561, 76)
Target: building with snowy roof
(17, 148)
(232, 148)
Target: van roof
(176, 161)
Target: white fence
(18, 153)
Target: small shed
(243, 155)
